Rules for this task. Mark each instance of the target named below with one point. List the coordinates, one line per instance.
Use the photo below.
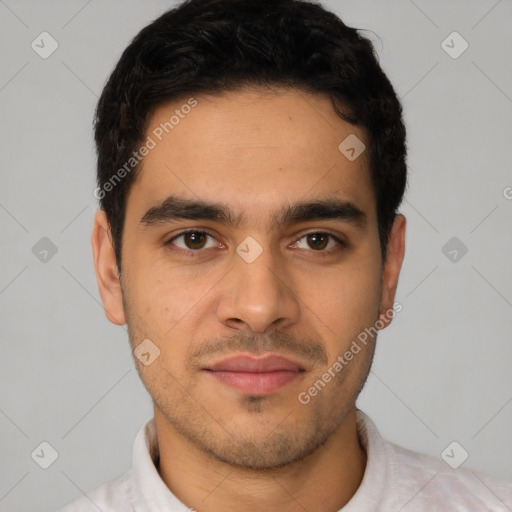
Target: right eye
(193, 240)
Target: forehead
(253, 150)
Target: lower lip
(253, 383)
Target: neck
(324, 481)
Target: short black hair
(208, 46)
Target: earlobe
(392, 265)
(106, 270)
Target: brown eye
(193, 240)
(318, 241)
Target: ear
(392, 265)
(106, 270)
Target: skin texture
(256, 151)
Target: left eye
(194, 240)
(317, 241)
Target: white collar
(149, 492)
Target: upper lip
(255, 364)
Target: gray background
(442, 370)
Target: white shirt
(395, 480)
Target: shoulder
(400, 479)
(109, 497)
(427, 481)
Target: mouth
(253, 375)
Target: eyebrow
(178, 208)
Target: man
(251, 162)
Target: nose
(258, 296)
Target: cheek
(163, 305)
(159, 290)
(160, 311)
(169, 306)
(346, 302)
(353, 290)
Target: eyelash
(192, 253)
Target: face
(251, 261)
